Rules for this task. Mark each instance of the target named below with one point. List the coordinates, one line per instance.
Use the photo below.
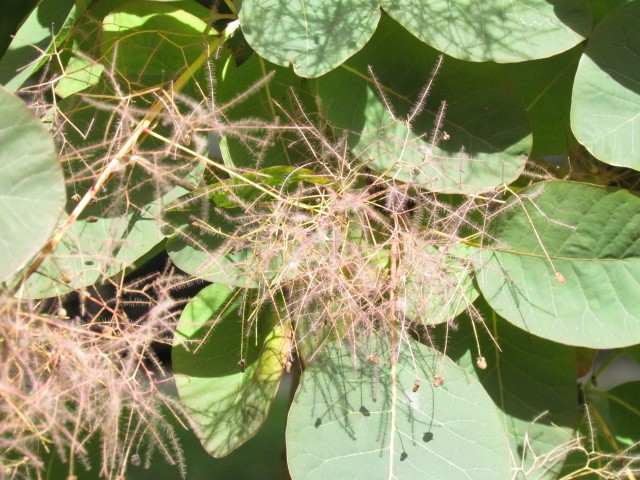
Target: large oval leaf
(480, 141)
(606, 97)
(368, 422)
(532, 382)
(590, 236)
(493, 29)
(314, 36)
(31, 183)
(226, 371)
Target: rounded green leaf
(152, 42)
(480, 140)
(353, 418)
(532, 382)
(545, 87)
(606, 95)
(31, 183)
(493, 29)
(565, 264)
(227, 371)
(314, 36)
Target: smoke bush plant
(383, 217)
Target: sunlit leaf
(226, 368)
(492, 29)
(386, 420)
(47, 26)
(152, 42)
(31, 184)
(564, 264)
(532, 382)
(606, 93)
(314, 36)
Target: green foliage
(565, 264)
(367, 188)
(393, 417)
(604, 106)
(313, 37)
(227, 370)
(31, 184)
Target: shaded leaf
(591, 236)
(48, 25)
(367, 422)
(255, 142)
(314, 36)
(606, 93)
(227, 371)
(31, 183)
(621, 413)
(493, 29)
(545, 87)
(532, 382)
(480, 141)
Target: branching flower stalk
(69, 384)
(355, 254)
(115, 162)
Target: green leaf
(119, 229)
(256, 141)
(590, 236)
(634, 352)
(196, 243)
(151, 42)
(251, 186)
(358, 419)
(80, 73)
(606, 93)
(481, 141)
(429, 302)
(314, 36)
(31, 183)
(621, 414)
(47, 26)
(492, 29)
(532, 382)
(601, 8)
(227, 405)
(545, 87)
